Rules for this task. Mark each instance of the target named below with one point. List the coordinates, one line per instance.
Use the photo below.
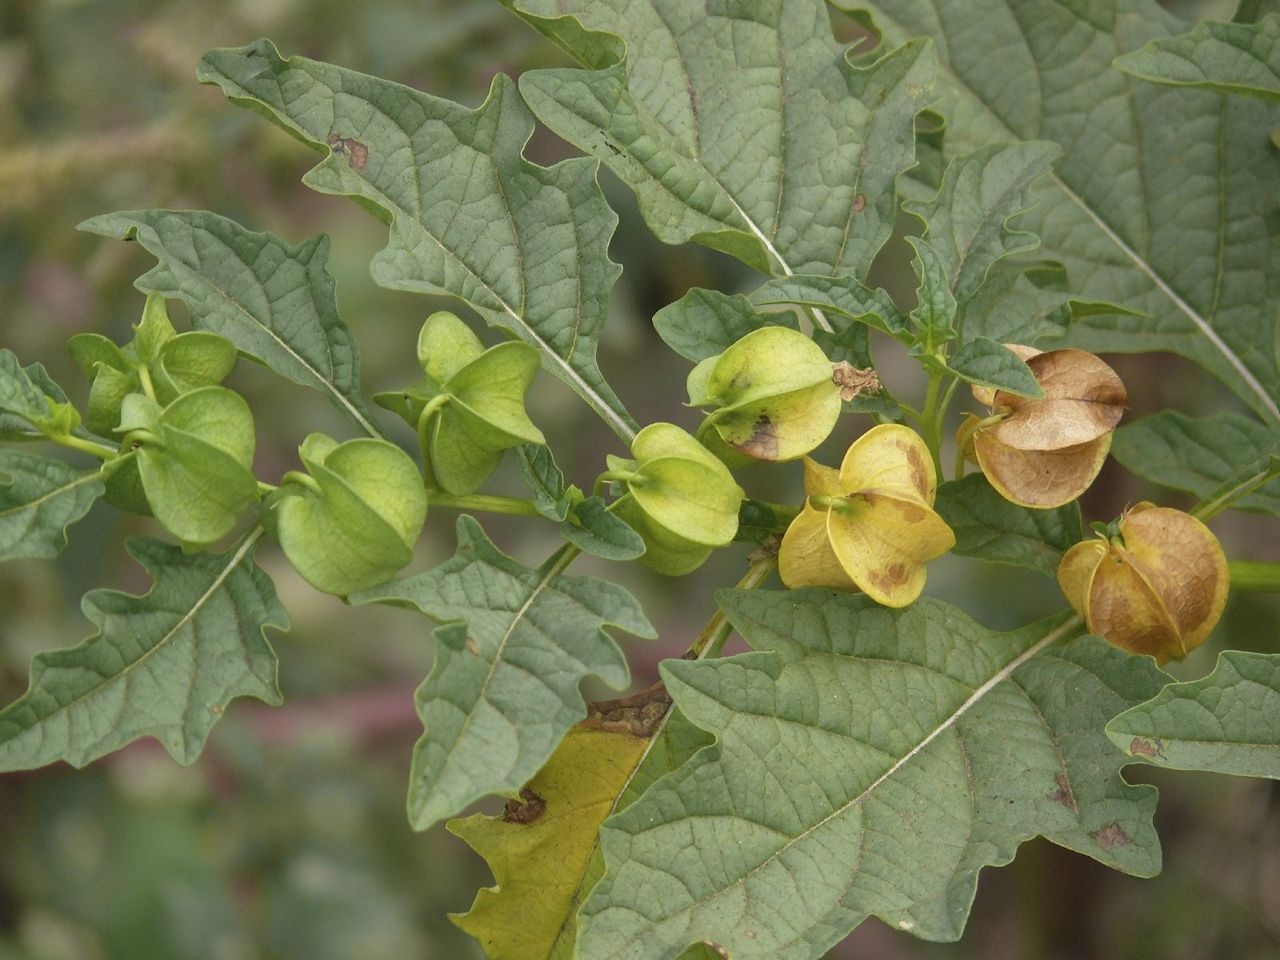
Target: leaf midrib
(1006, 671)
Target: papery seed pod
(1157, 588)
(1044, 452)
(680, 499)
(869, 526)
(773, 392)
(469, 407)
(350, 522)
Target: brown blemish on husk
(638, 715)
(526, 810)
(764, 443)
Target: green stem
(1255, 576)
(512, 506)
(149, 388)
(785, 512)
(712, 639)
(932, 416)
(98, 450)
(1216, 502)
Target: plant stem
(98, 450)
(144, 377)
(488, 504)
(1215, 503)
(933, 413)
(1255, 576)
(713, 636)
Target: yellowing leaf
(539, 848)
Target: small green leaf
(773, 842)
(272, 300)
(513, 645)
(935, 308)
(990, 364)
(546, 481)
(967, 222)
(353, 523)
(1018, 303)
(161, 665)
(196, 465)
(1242, 58)
(989, 527)
(39, 499)
(594, 529)
(843, 296)
(1201, 455)
(706, 323)
(1227, 722)
(469, 217)
(29, 398)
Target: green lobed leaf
(1201, 455)
(741, 126)
(512, 647)
(526, 246)
(1227, 722)
(162, 665)
(274, 301)
(39, 499)
(935, 303)
(967, 222)
(586, 522)
(1184, 239)
(823, 801)
(1018, 303)
(990, 364)
(1242, 58)
(706, 323)
(989, 527)
(843, 296)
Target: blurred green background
(288, 838)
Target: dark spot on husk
(1111, 836)
(854, 381)
(526, 810)
(637, 715)
(763, 442)
(1063, 794)
(357, 153)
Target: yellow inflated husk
(869, 526)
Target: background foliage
(287, 839)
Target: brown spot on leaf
(763, 443)
(472, 646)
(1063, 794)
(526, 810)
(1111, 836)
(357, 153)
(637, 715)
(1146, 747)
(854, 381)
(859, 203)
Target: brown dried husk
(1159, 591)
(1041, 479)
(1083, 400)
